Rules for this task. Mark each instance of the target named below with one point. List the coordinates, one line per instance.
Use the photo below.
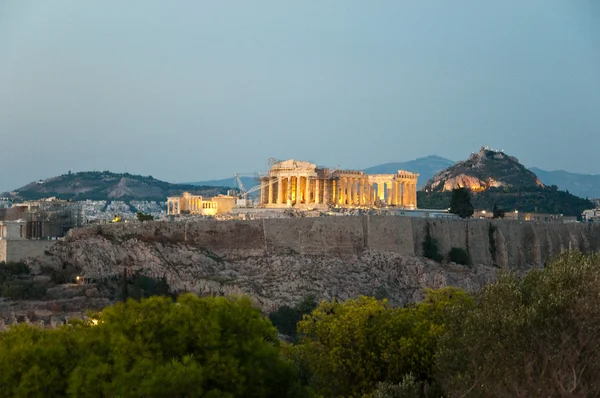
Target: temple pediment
(292, 164)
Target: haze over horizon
(199, 90)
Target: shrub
(430, 247)
(459, 256)
(22, 290)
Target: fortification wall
(502, 243)
(18, 250)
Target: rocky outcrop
(279, 261)
(482, 170)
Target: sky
(195, 90)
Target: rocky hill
(497, 179)
(105, 185)
(484, 169)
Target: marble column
(307, 190)
(289, 191)
(279, 190)
(351, 191)
(270, 191)
(317, 191)
(298, 190)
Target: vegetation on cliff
(535, 336)
(104, 185)
(541, 200)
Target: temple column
(344, 194)
(317, 189)
(414, 195)
(270, 191)
(308, 190)
(289, 191)
(361, 192)
(389, 194)
(334, 185)
(279, 190)
(351, 191)
(298, 190)
(405, 194)
(346, 191)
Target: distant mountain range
(97, 185)
(582, 185)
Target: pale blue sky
(193, 90)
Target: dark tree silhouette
(460, 203)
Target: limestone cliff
(278, 261)
(485, 169)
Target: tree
(460, 203)
(196, 347)
(497, 212)
(348, 348)
(286, 318)
(536, 336)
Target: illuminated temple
(299, 184)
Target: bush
(430, 247)
(10, 270)
(459, 256)
(22, 290)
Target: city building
(300, 184)
(196, 204)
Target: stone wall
(498, 242)
(18, 250)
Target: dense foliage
(538, 199)
(286, 318)
(530, 337)
(197, 347)
(348, 348)
(16, 284)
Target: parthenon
(300, 184)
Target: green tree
(196, 347)
(347, 348)
(286, 318)
(535, 337)
(497, 212)
(460, 203)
